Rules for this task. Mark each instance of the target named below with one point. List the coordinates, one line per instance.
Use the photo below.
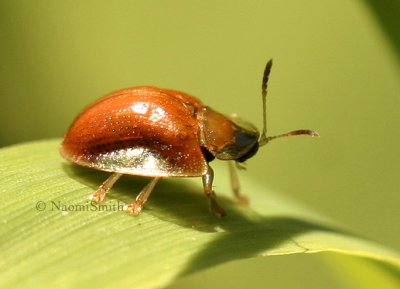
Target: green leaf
(52, 237)
(364, 272)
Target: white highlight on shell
(140, 107)
(157, 114)
(134, 152)
(151, 163)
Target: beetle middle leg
(136, 207)
(236, 185)
(101, 192)
(208, 178)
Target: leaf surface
(51, 236)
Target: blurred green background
(336, 70)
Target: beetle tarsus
(98, 196)
(135, 208)
(216, 209)
(242, 199)
(101, 192)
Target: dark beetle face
(249, 154)
(227, 138)
(245, 142)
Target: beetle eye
(245, 142)
(244, 139)
(249, 154)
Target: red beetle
(154, 132)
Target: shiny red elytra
(159, 133)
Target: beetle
(159, 133)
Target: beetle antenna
(263, 139)
(293, 133)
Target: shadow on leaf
(245, 232)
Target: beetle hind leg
(136, 207)
(207, 185)
(236, 185)
(101, 192)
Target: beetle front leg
(208, 178)
(136, 207)
(236, 185)
(101, 192)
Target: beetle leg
(208, 178)
(236, 185)
(101, 192)
(136, 207)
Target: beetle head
(235, 139)
(227, 138)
